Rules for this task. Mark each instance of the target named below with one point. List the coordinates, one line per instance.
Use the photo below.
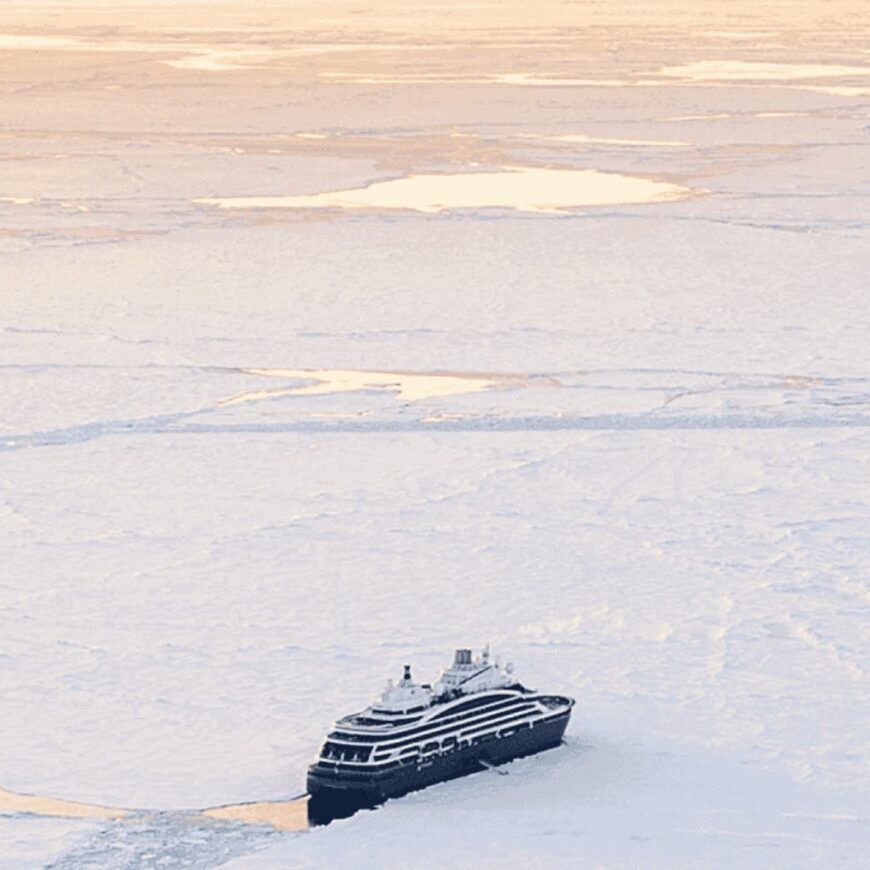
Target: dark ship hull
(336, 789)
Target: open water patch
(521, 188)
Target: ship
(477, 715)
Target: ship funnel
(407, 677)
(463, 657)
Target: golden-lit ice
(580, 139)
(736, 70)
(12, 802)
(289, 815)
(522, 188)
(406, 385)
(202, 56)
(838, 90)
(514, 78)
(708, 73)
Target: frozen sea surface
(253, 460)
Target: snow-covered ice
(254, 460)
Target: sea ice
(628, 447)
(735, 70)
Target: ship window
(431, 747)
(346, 753)
(367, 721)
(352, 738)
(382, 712)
